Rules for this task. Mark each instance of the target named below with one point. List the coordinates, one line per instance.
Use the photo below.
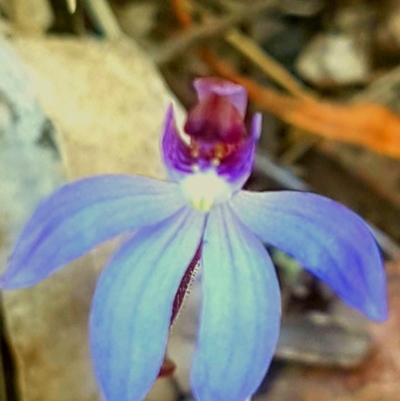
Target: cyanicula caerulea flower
(202, 213)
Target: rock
(31, 16)
(137, 19)
(333, 59)
(29, 168)
(106, 100)
(107, 103)
(319, 339)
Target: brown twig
(213, 27)
(194, 36)
(198, 34)
(100, 11)
(71, 5)
(184, 17)
(267, 64)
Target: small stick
(71, 5)
(248, 47)
(103, 16)
(266, 63)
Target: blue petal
(327, 238)
(132, 305)
(240, 315)
(80, 216)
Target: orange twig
(184, 18)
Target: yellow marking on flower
(220, 151)
(194, 149)
(195, 168)
(205, 190)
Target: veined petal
(133, 301)
(240, 317)
(327, 238)
(80, 216)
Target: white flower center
(205, 189)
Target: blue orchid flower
(202, 214)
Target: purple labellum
(215, 120)
(236, 94)
(218, 138)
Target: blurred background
(84, 85)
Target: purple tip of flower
(180, 158)
(236, 94)
(215, 119)
(218, 138)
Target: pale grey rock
(31, 16)
(137, 19)
(29, 169)
(106, 99)
(107, 102)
